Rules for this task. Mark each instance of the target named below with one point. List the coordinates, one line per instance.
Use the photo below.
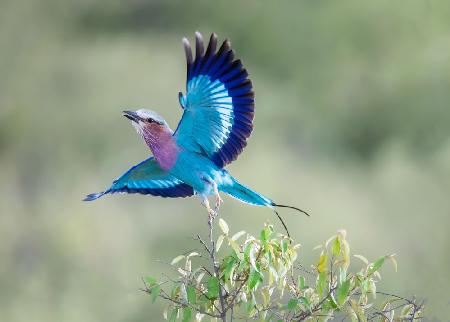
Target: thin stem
(212, 251)
(165, 296)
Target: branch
(212, 251)
(165, 296)
(244, 281)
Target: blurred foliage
(351, 125)
(365, 53)
(262, 278)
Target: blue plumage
(218, 111)
(219, 103)
(149, 179)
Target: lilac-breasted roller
(217, 120)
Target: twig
(203, 243)
(244, 281)
(212, 251)
(165, 296)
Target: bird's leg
(212, 184)
(211, 212)
(219, 200)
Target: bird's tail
(247, 195)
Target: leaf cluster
(260, 277)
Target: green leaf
(326, 306)
(407, 311)
(213, 287)
(322, 265)
(284, 246)
(224, 226)
(265, 234)
(243, 265)
(229, 266)
(342, 292)
(219, 242)
(154, 292)
(193, 254)
(150, 280)
(265, 294)
(177, 259)
(236, 249)
(361, 257)
(376, 266)
(292, 304)
(175, 291)
(358, 310)
(305, 302)
(342, 274)
(273, 275)
(373, 288)
(336, 249)
(187, 314)
(301, 282)
(191, 294)
(238, 235)
(321, 283)
(199, 277)
(247, 250)
(253, 257)
(173, 315)
(250, 307)
(351, 314)
(254, 279)
(393, 260)
(345, 249)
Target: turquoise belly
(198, 171)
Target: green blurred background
(352, 124)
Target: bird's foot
(219, 201)
(211, 214)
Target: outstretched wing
(218, 105)
(149, 179)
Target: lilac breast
(163, 146)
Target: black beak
(131, 116)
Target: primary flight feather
(217, 120)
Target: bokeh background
(352, 124)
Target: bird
(217, 119)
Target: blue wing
(147, 178)
(218, 105)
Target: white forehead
(148, 113)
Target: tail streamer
(281, 219)
(290, 207)
(282, 222)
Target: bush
(261, 278)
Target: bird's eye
(150, 120)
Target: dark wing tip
(199, 46)
(226, 45)
(93, 196)
(212, 45)
(187, 50)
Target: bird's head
(157, 135)
(146, 121)
(152, 127)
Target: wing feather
(219, 102)
(147, 178)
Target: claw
(219, 201)
(211, 212)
